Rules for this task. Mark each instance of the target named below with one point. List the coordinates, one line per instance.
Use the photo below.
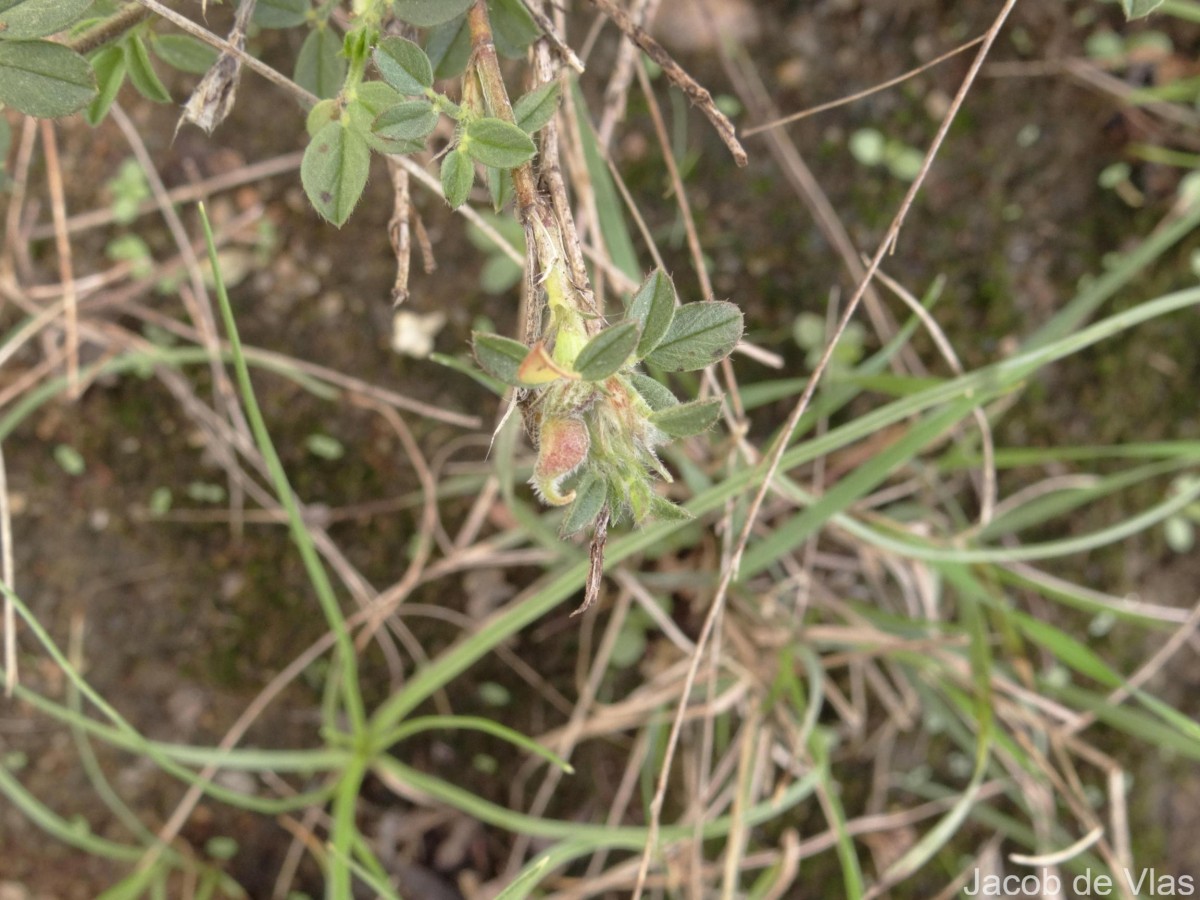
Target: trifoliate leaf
(458, 174)
(141, 71)
(183, 52)
(44, 79)
(281, 13)
(320, 67)
(536, 108)
(499, 356)
(334, 171)
(700, 334)
(26, 19)
(608, 351)
(656, 395)
(427, 13)
(109, 67)
(654, 306)
(409, 121)
(404, 65)
(590, 494)
(371, 99)
(495, 142)
(686, 419)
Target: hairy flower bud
(562, 447)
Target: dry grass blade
(698, 95)
(730, 570)
(874, 89)
(8, 574)
(250, 62)
(58, 208)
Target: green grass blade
(347, 664)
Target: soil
(181, 622)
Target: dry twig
(698, 95)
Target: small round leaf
(534, 110)
(141, 71)
(495, 142)
(109, 67)
(427, 13)
(334, 171)
(654, 306)
(590, 494)
(686, 419)
(44, 79)
(458, 174)
(281, 13)
(410, 121)
(404, 65)
(320, 67)
(656, 395)
(607, 352)
(183, 52)
(37, 18)
(499, 356)
(700, 334)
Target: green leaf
(654, 306)
(1135, 9)
(25, 19)
(449, 48)
(495, 142)
(499, 356)
(656, 394)
(427, 13)
(590, 494)
(664, 510)
(700, 334)
(500, 186)
(608, 351)
(410, 121)
(44, 79)
(325, 446)
(686, 419)
(281, 13)
(320, 66)
(513, 28)
(320, 116)
(334, 171)
(526, 880)
(536, 108)
(499, 274)
(458, 174)
(374, 98)
(141, 71)
(404, 65)
(183, 52)
(109, 68)
(69, 460)
(471, 370)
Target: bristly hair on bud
(563, 445)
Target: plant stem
(544, 232)
(483, 52)
(109, 29)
